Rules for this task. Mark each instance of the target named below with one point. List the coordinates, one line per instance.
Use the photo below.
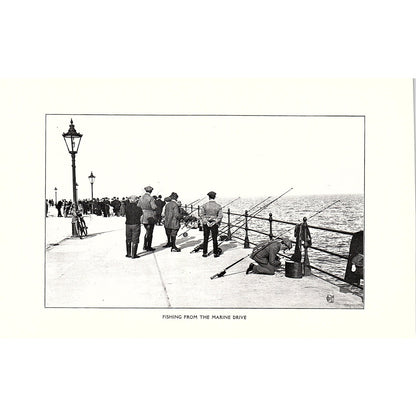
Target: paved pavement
(94, 272)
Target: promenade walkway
(94, 273)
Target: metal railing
(242, 224)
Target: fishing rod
(222, 273)
(199, 246)
(196, 201)
(258, 211)
(185, 233)
(240, 220)
(316, 213)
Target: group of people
(147, 210)
(144, 210)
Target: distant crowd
(105, 207)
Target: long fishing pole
(196, 201)
(240, 220)
(316, 213)
(199, 246)
(258, 211)
(222, 273)
(186, 231)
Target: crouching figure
(265, 255)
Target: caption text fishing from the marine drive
(205, 317)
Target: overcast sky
(234, 156)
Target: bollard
(246, 241)
(271, 226)
(229, 224)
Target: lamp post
(56, 198)
(72, 140)
(92, 179)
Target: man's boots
(128, 249)
(149, 244)
(174, 248)
(134, 251)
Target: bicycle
(82, 229)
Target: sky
(234, 156)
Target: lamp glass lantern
(72, 139)
(91, 178)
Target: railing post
(186, 207)
(229, 224)
(271, 226)
(246, 241)
(306, 265)
(192, 208)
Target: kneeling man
(265, 254)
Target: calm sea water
(345, 215)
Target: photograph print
(209, 211)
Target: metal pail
(293, 269)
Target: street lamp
(56, 198)
(72, 140)
(92, 179)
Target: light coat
(172, 215)
(148, 205)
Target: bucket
(293, 270)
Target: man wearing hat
(172, 221)
(148, 205)
(265, 254)
(160, 204)
(133, 214)
(211, 216)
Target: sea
(343, 212)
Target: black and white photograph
(188, 211)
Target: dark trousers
(149, 235)
(214, 233)
(132, 233)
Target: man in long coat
(148, 205)
(172, 221)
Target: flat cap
(174, 195)
(212, 194)
(287, 243)
(148, 189)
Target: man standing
(160, 204)
(133, 214)
(172, 221)
(265, 254)
(211, 216)
(148, 205)
(59, 207)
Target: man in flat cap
(148, 205)
(211, 216)
(265, 254)
(172, 221)
(133, 214)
